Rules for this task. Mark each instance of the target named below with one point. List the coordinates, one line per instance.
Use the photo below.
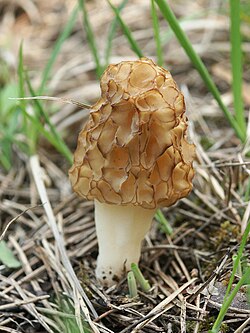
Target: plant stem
(91, 38)
(197, 62)
(238, 257)
(157, 36)
(140, 278)
(229, 300)
(120, 231)
(132, 285)
(236, 63)
(133, 44)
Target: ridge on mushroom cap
(133, 149)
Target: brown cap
(133, 149)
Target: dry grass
(55, 287)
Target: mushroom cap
(133, 149)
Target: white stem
(120, 231)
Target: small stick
(17, 303)
(244, 325)
(59, 99)
(183, 315)
(16, 218)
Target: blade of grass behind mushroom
(91, 38)
(40, 112)
(157, 34)
(236, 63)
(127, 32)
(111, 34)
(57, 47)
(197, 62)
(30, 132)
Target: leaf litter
(54, 289)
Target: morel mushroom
(132, 157)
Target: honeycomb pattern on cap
(133, 149)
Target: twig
(59, 99)
(180, 262)
(245, 219)
(30, 307)
(183, 316)
(26, 278)
(22, 302)
(222, 165)
(241, 328)
(36, 170)
(16, 218)
(7, 329)
(210, 279)
(162, 306)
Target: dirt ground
(188, 270)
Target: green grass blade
(5, 149)
(91, 38)
(7, 257)
(236, 63)
(5, 160)
(20, 72)
(42, 131)
(40, 113)
(243, 281)
(132, 287)
(63, 36)
(29, 132)
(238, 258)
(247, 192)
(111, 33)
(156, 28)
(197, 62)
(134, 46)
(165, 226)
(144, 284)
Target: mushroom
(132, 157)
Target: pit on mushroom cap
(132, 157)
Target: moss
(226, 234)
(190, 324)
(206, 325)
(206, 142)
(224, 328)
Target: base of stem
(120, 231)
